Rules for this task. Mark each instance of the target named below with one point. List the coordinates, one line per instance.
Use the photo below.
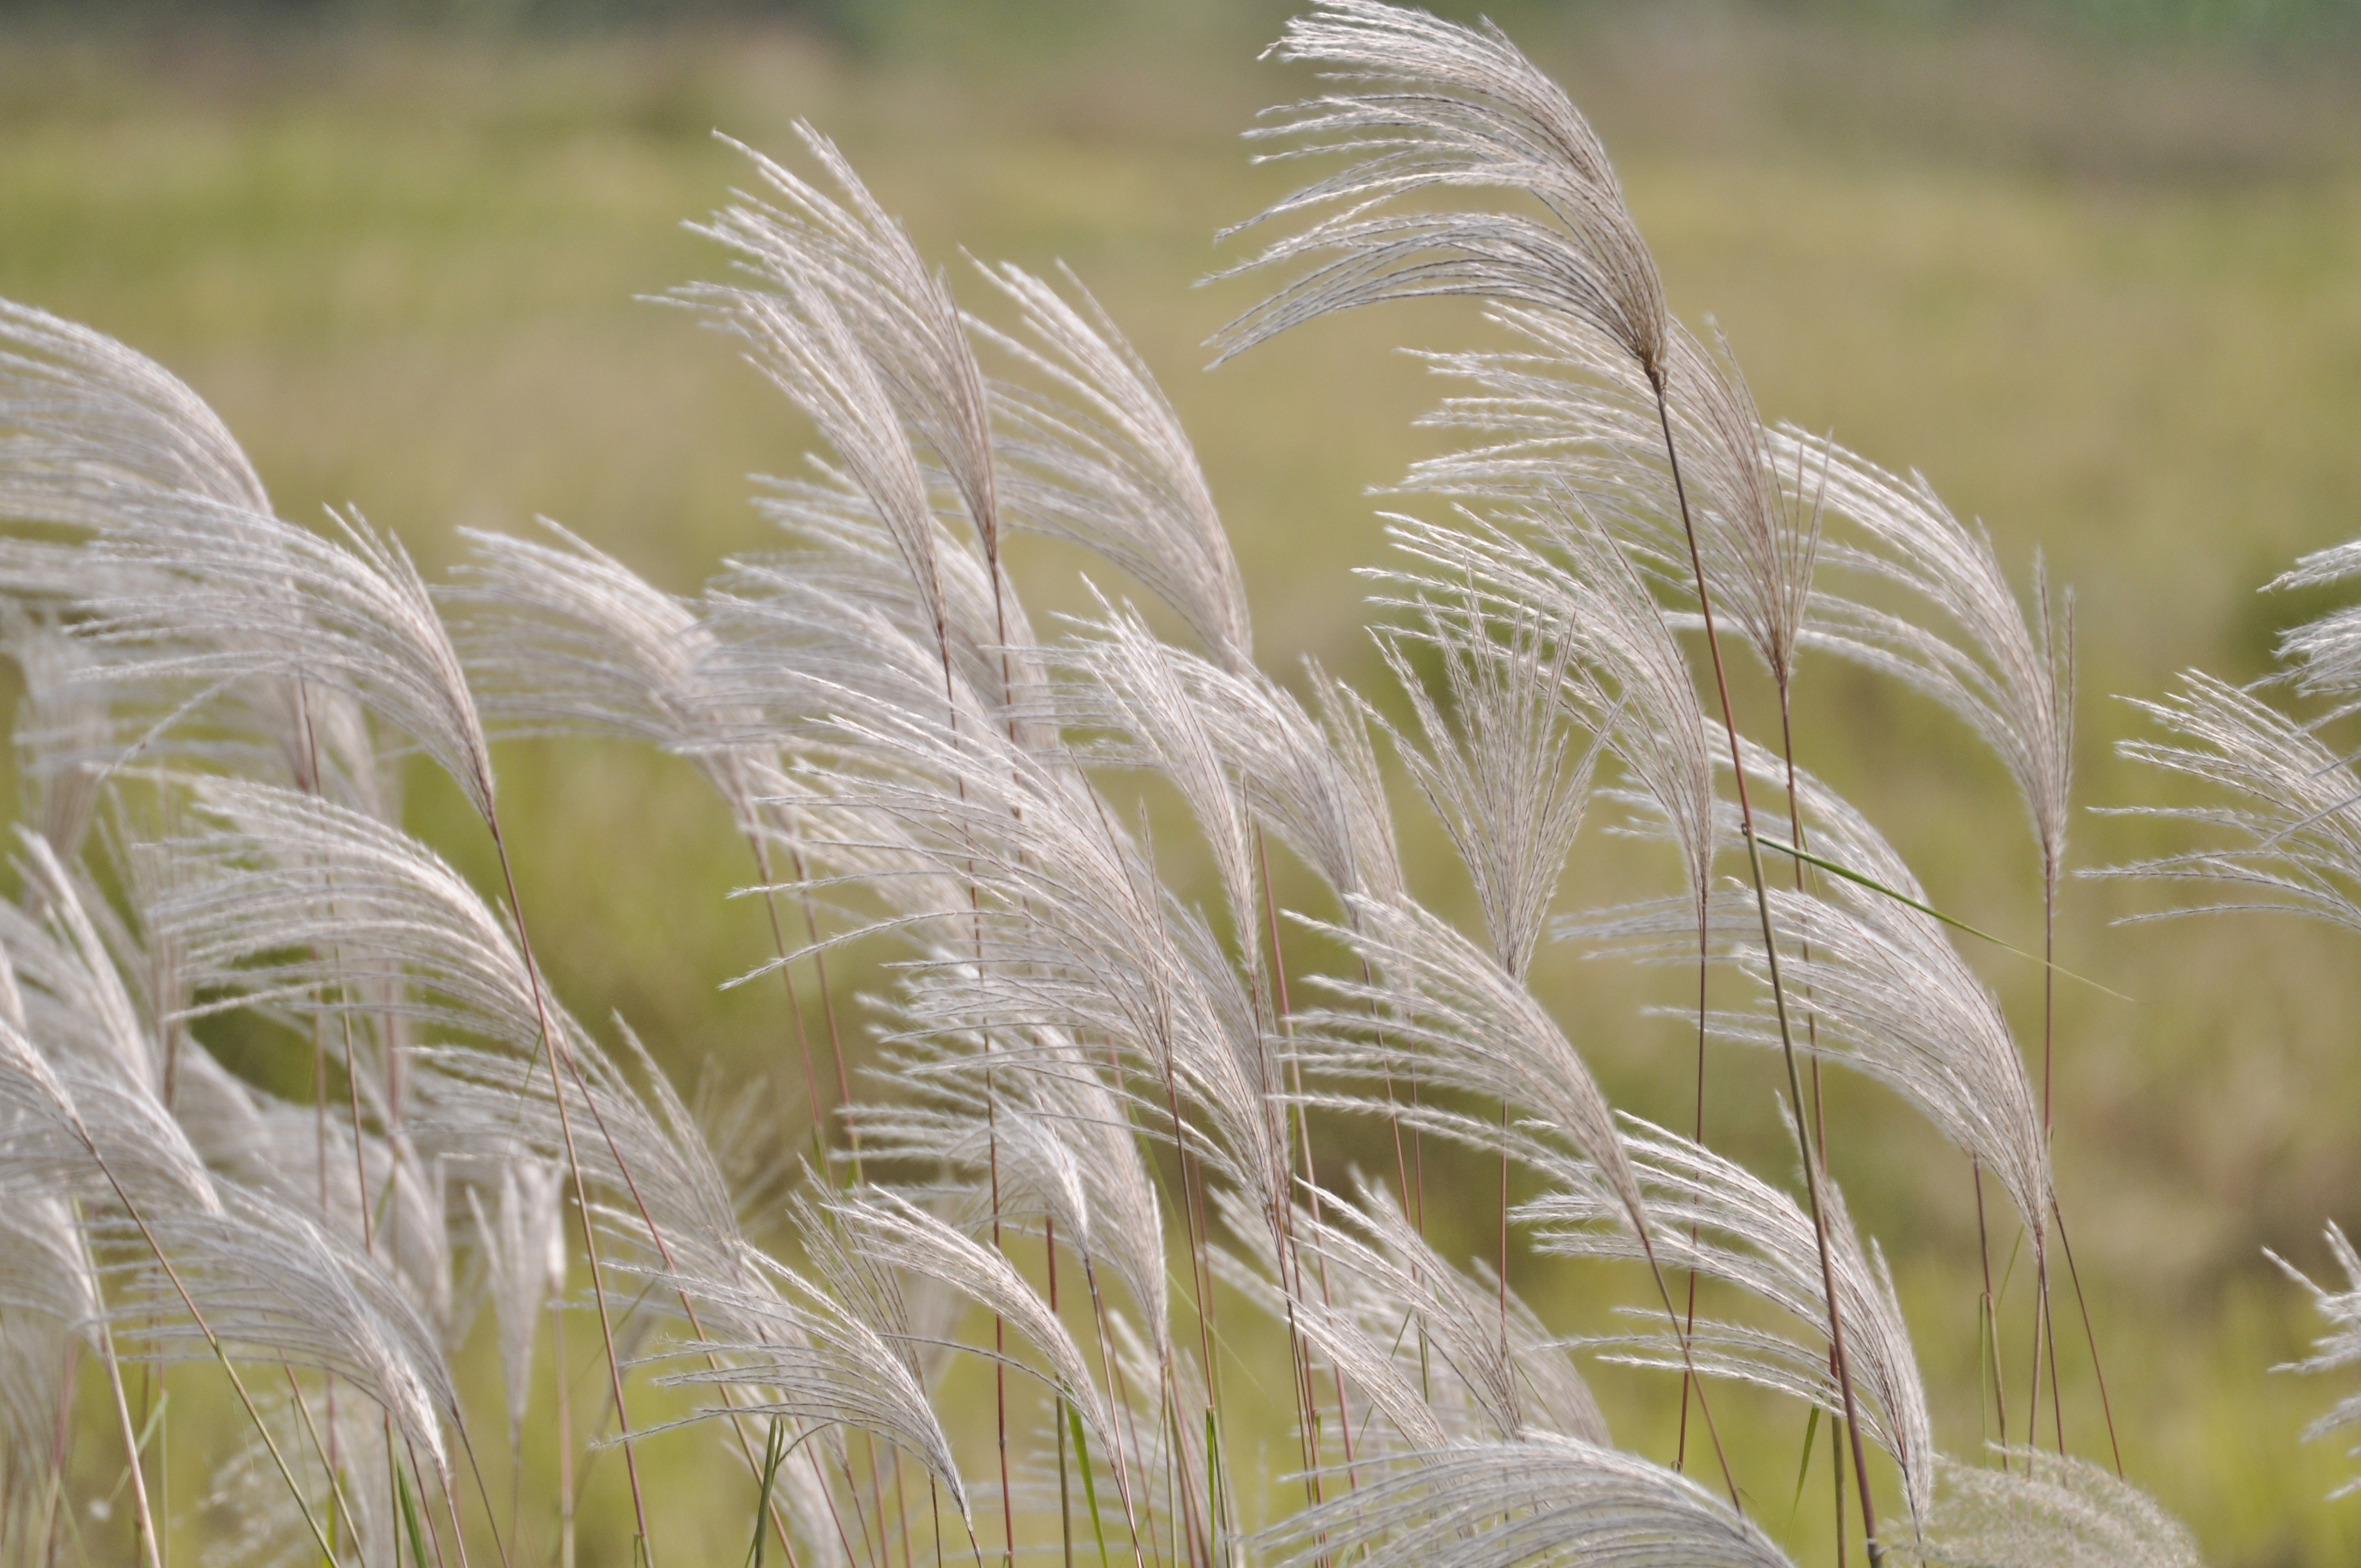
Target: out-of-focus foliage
(2095, 267)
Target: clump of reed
(1091, 1118)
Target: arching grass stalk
(62, 1429)
(589, 1233)
(1988, 1314)
(1785, 676)
(1778, 994)
(1689, 1378)
(559, 1056)
(339, 1505)
(1284, 1011)
(144, 1521)
(212, 1341)
(820, 1115)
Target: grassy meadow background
(2096, 273)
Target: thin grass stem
(1778, 992)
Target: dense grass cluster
(1090, 1158)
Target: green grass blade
(409, 1517)
(1213, 1482)
(773, 1454)
(1811, 1430)
(1089, 1485)
(1849, 874)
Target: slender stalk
(1778, 993)
(2049, 1332)
(999, 1327)
(2048, 1016)
(827, 1008)
(1118, 1398)
(1836, 1469)
(1402, 1177)
(1681, 1449)
(340, 1505)
(61, 1441)
(1285, 1009)
(1988, 1326)
(491, 1521)
(819, 1115)
(1803, 938)
(221, 1352)
(559, 1054)
(1812, 1035)
(564, 1436)
(143, 1520)
(2049, 1035)
(1705, 1409)
(2075, 1274)
(2045, 1335)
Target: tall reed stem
(144, 1522)
(1778, 993)
(561, 1055)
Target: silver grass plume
(2047, 1510)
(267, 1530)
(523, 1241)
(92, 1123)
(1066, 1147)
(64, 741)
(185, 560)
(286, 897)
(854, 262)
(1333, 1330)
(658, 1195)
(1385, 1274)
(1566, 419)
(1505, 779)
(1753, 1236)
(2293, 818)
(843, 609)
(274, 1286)
(1139, 689)
(1628, 679)
(2009, 677)
(1894, 999)
(86, 416)
(2338, 1348)
(1444, 1008)
(105, 443)
(1077, 931)
(800, 339)
(310, 1164)
(49, 1302)
(891, 1232)
(265, 1278)
(862, 337)
(241, 595)
(1101, 459)
(78, 1004)
(2324, 656)
(1309, 775)
(1545, 1502)
(836, 1351)
(804, 637)
(564, 636)
(1466, 112)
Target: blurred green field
(2106, 294)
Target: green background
(2094, 268)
